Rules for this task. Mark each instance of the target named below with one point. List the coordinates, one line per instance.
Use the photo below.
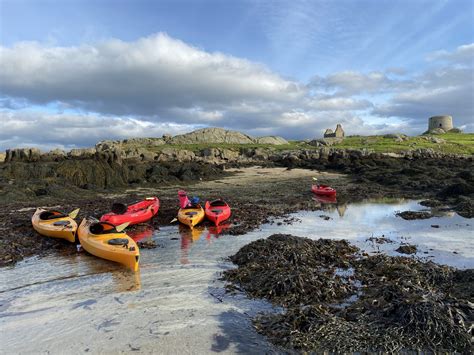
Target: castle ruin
(338, 133)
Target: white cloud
(349, 83)
(144, 77)
(76, 96)
(66, 131)
(462, 54)
(441, 90)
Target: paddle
(74, 213)
(174, 220)
(122, 226)
(315, 178)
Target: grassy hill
(456, 143)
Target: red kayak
(323, 190)
(137, 213)
(217, 211)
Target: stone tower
(443, 122)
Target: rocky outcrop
(54, 155)
(275, 140)
(82, 153)
(22, 154)
(325, 142)
(172, 154)
(219, 155)
(212, 135)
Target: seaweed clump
(339, 300)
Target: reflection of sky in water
(361, 221)
(176, 303)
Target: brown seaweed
(339, 300)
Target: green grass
(455, 143)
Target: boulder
(397, 136)
(436, 131)
(261, 154)
(325, 142)
(437, 140)
(212, 135)
(54, 155)
(275, 140)
(171, 154)
(82, 153)
(217, 155)
(107, 145)
(23, 154)
(167, 138)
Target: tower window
(440, 125)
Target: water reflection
(325, 199)
(141, 233)
(188, 236)
(215, 231)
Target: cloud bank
(75, 96)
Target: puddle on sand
(175, 304)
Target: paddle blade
(74, 213)
(174, 220)
(315, 178)
(122, 226)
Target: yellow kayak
(102, 240)
(54, 224)
(191, 216)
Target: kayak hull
(217, 211)
(99, 245)
(63, 227)
(323, 190)
(139, 212)
(191, 216)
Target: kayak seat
(190, 213)
(218, 203)
(118, 241)
(119, 208)
(102, 228)
(216, 211)
(47, 215)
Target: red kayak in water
(217, 211)
(137, 213)
(323, 190)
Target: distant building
(440, 122)
(338, 133)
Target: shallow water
(176, 304)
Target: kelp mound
(338, 300)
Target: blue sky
(295, 67)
